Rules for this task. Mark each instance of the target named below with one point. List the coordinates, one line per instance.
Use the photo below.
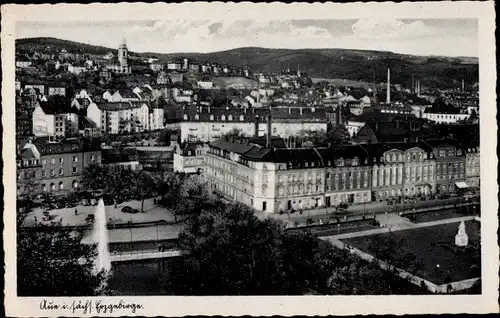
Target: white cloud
(166, 36)
(385, 29)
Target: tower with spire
(123, 56)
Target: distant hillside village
(74, 109)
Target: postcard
(249, 159)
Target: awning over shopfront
(461, 185)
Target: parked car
(46, 216)
(128, 209)
(90, 218)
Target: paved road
(360, 209)
(150, 233)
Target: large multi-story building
(208, 124)
(188, 157)
(274, 178)
(55, 166)
(472, 168)
(54, 120)
(115, 118)
(450, 166)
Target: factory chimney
(256, 126)
(463, 86)
(268, 142)
(418, 87)
(388, 101)
(374, 90)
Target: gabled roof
(119, 106)
(57, 105)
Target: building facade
(188, 158)
(472, 167)
(209, 124)
(55, 167)
(273, 179)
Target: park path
(394, 228)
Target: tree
(230, 252)
(54, 262)
(145, 187)
(235, 132)
(338, 134)
(94, 178)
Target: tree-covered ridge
(358, 65)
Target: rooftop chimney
(268, 143)
(256, 126)
(388, 101)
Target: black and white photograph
(255, 156)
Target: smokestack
(256, 127)
(463, 86)
(418, 88)
(388, 101)
(268, 143)
(374, 90)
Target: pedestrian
(159, 248)
(116, 206)
(154, 201)
(76, 211)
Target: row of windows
(223, 117)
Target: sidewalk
(360, 209)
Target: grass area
(434, 245)
(434, 216)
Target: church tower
(123, 56)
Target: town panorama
(275, 172)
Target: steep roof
(114, 106)
(57, 105)
(277, 114)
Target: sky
(448, 37)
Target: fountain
(461, 239)
(100, 237)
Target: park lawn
(420, 242)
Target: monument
(461, 239)
(100, 237)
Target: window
(197, 117)
(185, 117)
(264, 206)
(75, 170)
(211, 117)
(242, 118)
(52, 172)
(52, 161)
(44, 162)
(61, 172)
(75, 159)
(230, 118)
(44, 187)
(44, 173)
(52, 187)
(61, 185)
(61, 160)
(223, 117)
